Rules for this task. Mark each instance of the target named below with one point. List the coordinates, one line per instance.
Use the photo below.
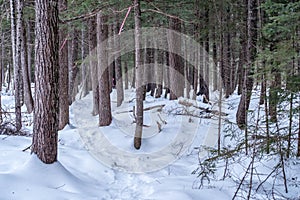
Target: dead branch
(145, 109)
(207, 110)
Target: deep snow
(101, 163)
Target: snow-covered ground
(101, 163)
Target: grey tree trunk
(139, 76)
(29, 50)
(16, 27)
(46, 108)
(63, 70)
(105, 116)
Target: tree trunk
(93, 65)
(126, 74)
(46, 108)
(73, 65)
(158, 71)
(16, 27)
(84, 66)
(241, 114)
(63, 71)
(29, 49)
(166, 74)
(105, 116)
(28, 100)
(139, 77)
(176, 74)
(118, 67)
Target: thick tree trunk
(139, 77)
(46, 108)
(63, 71)
(93, 64)
(105, 116)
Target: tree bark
(241, 114)
(105, 116)
(28, 100)
(46, 108)
(93, 65)
(126, 74)
(174, 43)
(139, 77)
(118, 66)
(73, 65)
(63, 70)
(84, 66)
(16, 27)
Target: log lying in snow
(145, 109)
(207, 110)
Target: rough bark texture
(139, 77)
(29, 49)
(16, 7)
(63, 71)
(241, 115)
(46, 108)
(105, 116)
(93, 65)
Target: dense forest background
(62, 47)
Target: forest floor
(101, 163)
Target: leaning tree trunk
(241, 115)
(63, 71)
(105, 116)
(139, 77)
(46, 108)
